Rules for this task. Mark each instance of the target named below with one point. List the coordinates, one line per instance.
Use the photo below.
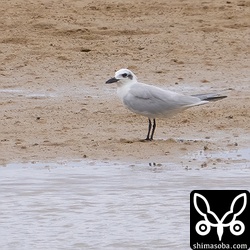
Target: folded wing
(155, 102)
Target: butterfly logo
(203, 227)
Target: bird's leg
(153, 130)
(149, 129)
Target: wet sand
(57, 55)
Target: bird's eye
(124, 75)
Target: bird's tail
(210, 97)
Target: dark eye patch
(127, 75)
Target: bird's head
(123, 76)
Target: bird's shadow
(169, 140)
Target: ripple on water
(77, 205)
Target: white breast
(122, 90)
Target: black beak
(111, 80)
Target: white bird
(154, 102)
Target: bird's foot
(147, 139)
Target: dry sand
(56, 56)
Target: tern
(154, 102)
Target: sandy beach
(57, 55)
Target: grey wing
(155, 102)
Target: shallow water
(81, 205)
